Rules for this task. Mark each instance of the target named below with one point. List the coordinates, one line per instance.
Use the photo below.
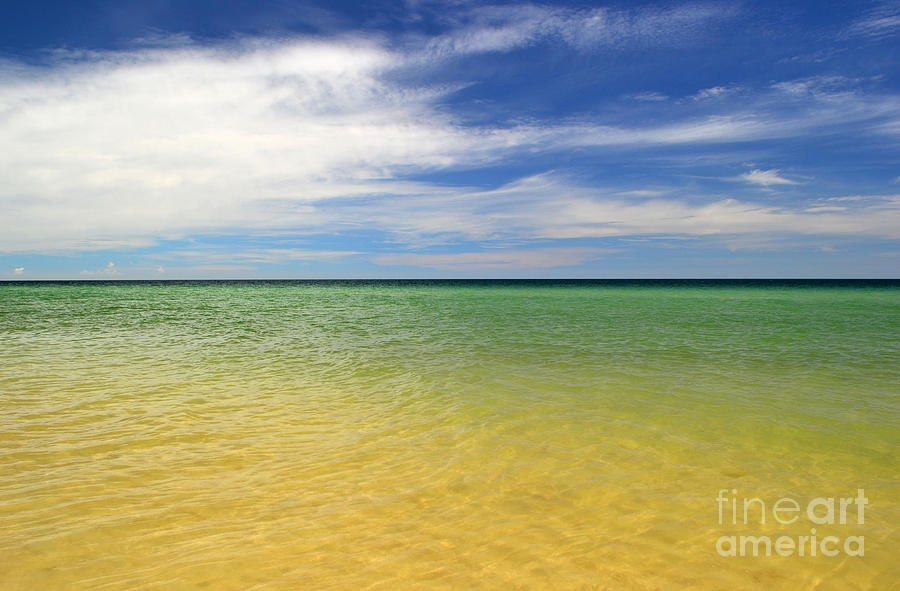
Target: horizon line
(411, 279)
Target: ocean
(450, 435)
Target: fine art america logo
(820, 511)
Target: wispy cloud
(653, 97)
(216, 255)
(880, 22)
(552, 207)
(766, 178)
(18, 270)
(503, 28)
(496, 260)
(714, 92)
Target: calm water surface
(417, 435)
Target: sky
(165, 139)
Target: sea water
(448, 435)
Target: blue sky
(166, 140)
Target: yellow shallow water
(141, 459)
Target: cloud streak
(513, 259)
(878, 23)
(504, 28)
(766, 178)
(551, 207)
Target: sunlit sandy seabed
(440, 436)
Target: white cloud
(125, 150)
(161, 142)
(18, 270)
(714, 92)
(766, 178)
(109, 270)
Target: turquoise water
(334, 435)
